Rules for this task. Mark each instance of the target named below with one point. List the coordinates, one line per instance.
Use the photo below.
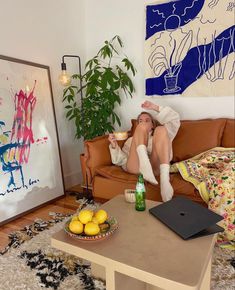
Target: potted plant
(105, 80)
(160, 63)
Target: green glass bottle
(140, 194)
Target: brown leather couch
(192, 138)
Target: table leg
(110, 278)
(122, 281)
(207, 278)
(98, 271)
(115, 280)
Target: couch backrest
(97, 153)
(228, 138)
(196, 136)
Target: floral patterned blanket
(213, 174)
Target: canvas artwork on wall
(190, 48)
(30, 167)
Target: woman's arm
(117, 155)
(147, 105)
(112, 140)
(165, 116)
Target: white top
(166, 117)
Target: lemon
(94, 220)
(91, 229)
(76, 227)
(75, 218)
(85, 216)
(101, 215)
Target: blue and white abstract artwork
(190, 48)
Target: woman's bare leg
(160, 159)
(161, 149)
(140, 137)
(138, 160)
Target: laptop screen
(187, 218)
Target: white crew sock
(165, 185)
(145, 166)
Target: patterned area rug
(29, 262)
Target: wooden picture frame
(30, 163)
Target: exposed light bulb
(64, 78)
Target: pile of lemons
(88, 222)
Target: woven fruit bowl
(106, 229)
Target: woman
(149, 151)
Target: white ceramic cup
(130, 195)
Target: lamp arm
(79, 68)
(80, 81)
(87, 192)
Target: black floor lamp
(65, 80)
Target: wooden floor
(66, 204)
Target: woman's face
(145, 118)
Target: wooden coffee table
(143, 253)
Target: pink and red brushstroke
(22, 133)
(15, 152)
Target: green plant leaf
(76, 76)
(71, 117)
(129, 65)
(66, 90)
(105, 51)
(69, 113)
(118, 39)
(113, 48)
(117, 119)
(70, 98)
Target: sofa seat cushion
(185, 188)
(116, 173)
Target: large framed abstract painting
(190, 48)
(30, 166)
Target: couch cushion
(107, 188)
(116, 173)
(185, 188)
(228, 138)
(112, 180)
(97, 153)
(195, 137)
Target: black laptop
(187, 218)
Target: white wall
(106, 18)
(42, 31)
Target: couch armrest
(96, 154)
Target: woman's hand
(147, 105)
(112, 140)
